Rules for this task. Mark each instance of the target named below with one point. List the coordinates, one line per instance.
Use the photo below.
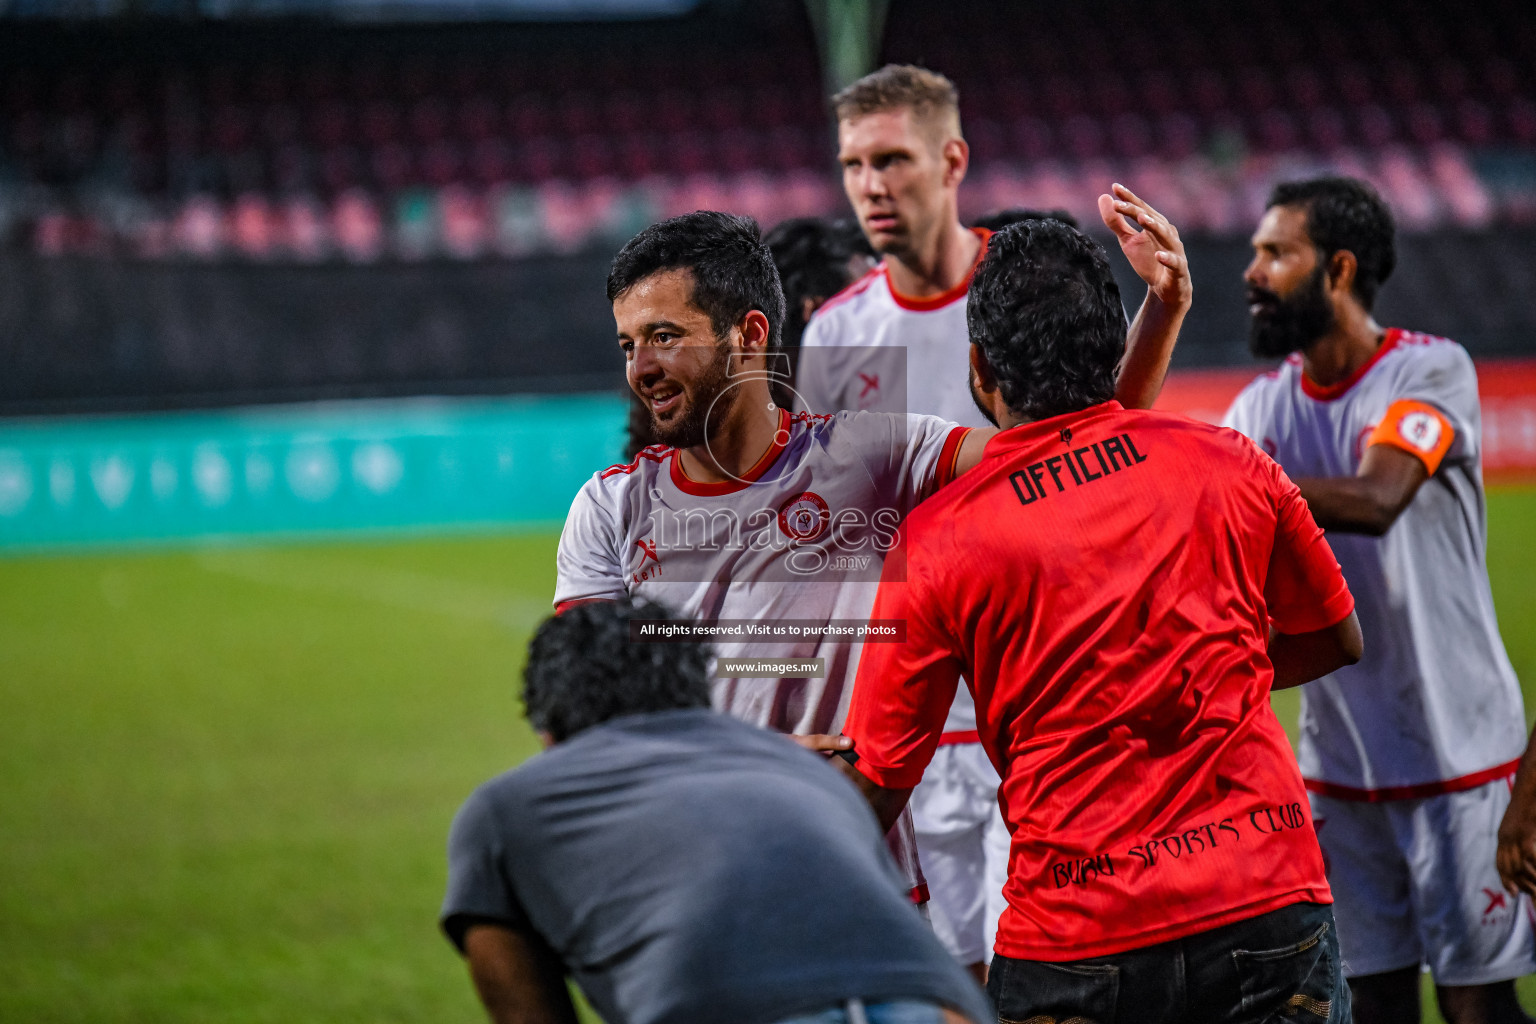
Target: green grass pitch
(226, 774)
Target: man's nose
(862, 179)
(643, 366)
(1253, 276)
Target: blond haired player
(896, 341)
(1408, 755)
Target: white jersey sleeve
(913, 455)
(1441, 374)
(590, 565)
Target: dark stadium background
(303, 350)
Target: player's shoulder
(873, 423)
(1423, 343)
(1182, 428)
(843, 421)
(859, 428)
(482, 812)
(1419, 351)
(606, 486)
(845, 308)
(1272, 383)
(1259, 400)
(1197, 441)
(816, 423)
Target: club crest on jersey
(647, 554)
(1420, 429)
(805, 517)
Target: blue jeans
(899, 1011)
(1279, 966)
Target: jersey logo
(1421, 430)
(804, 517)
(647, 554)
(871, 383)
(1496, 901)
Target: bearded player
(897, 341)
(746, 513)
(1407, 755)
(816, 258)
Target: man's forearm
(1148, 348)
(1350, 504)
(1302, 657)
(518, 978)
(1370, 501)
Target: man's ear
(753, 332)
(1342, 267)
(957, 160)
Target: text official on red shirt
(1107, 581)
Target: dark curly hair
(1045, 311)
(1346, 214)
(812, 256)
(999, 219)
(732, 269)
(583, 669)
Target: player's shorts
(1414, 882)
(963, 846)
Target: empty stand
(319, 141)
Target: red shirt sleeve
(1305, 589)
(902, 692)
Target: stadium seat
(1224, 95)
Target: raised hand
(1155, 252)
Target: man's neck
(942, 266)
(738, 443)
(1337, 355)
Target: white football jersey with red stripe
(1434, 705)
(800, 537)
(869, 347)
(932, 379)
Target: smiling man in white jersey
(1408, 755)
(896, 341)
(745, 513)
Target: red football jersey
(1106, 580)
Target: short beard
(1294, 323)
(706, 410)
(976, 397)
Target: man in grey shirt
(681, 865)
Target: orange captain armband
(1420, 430)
